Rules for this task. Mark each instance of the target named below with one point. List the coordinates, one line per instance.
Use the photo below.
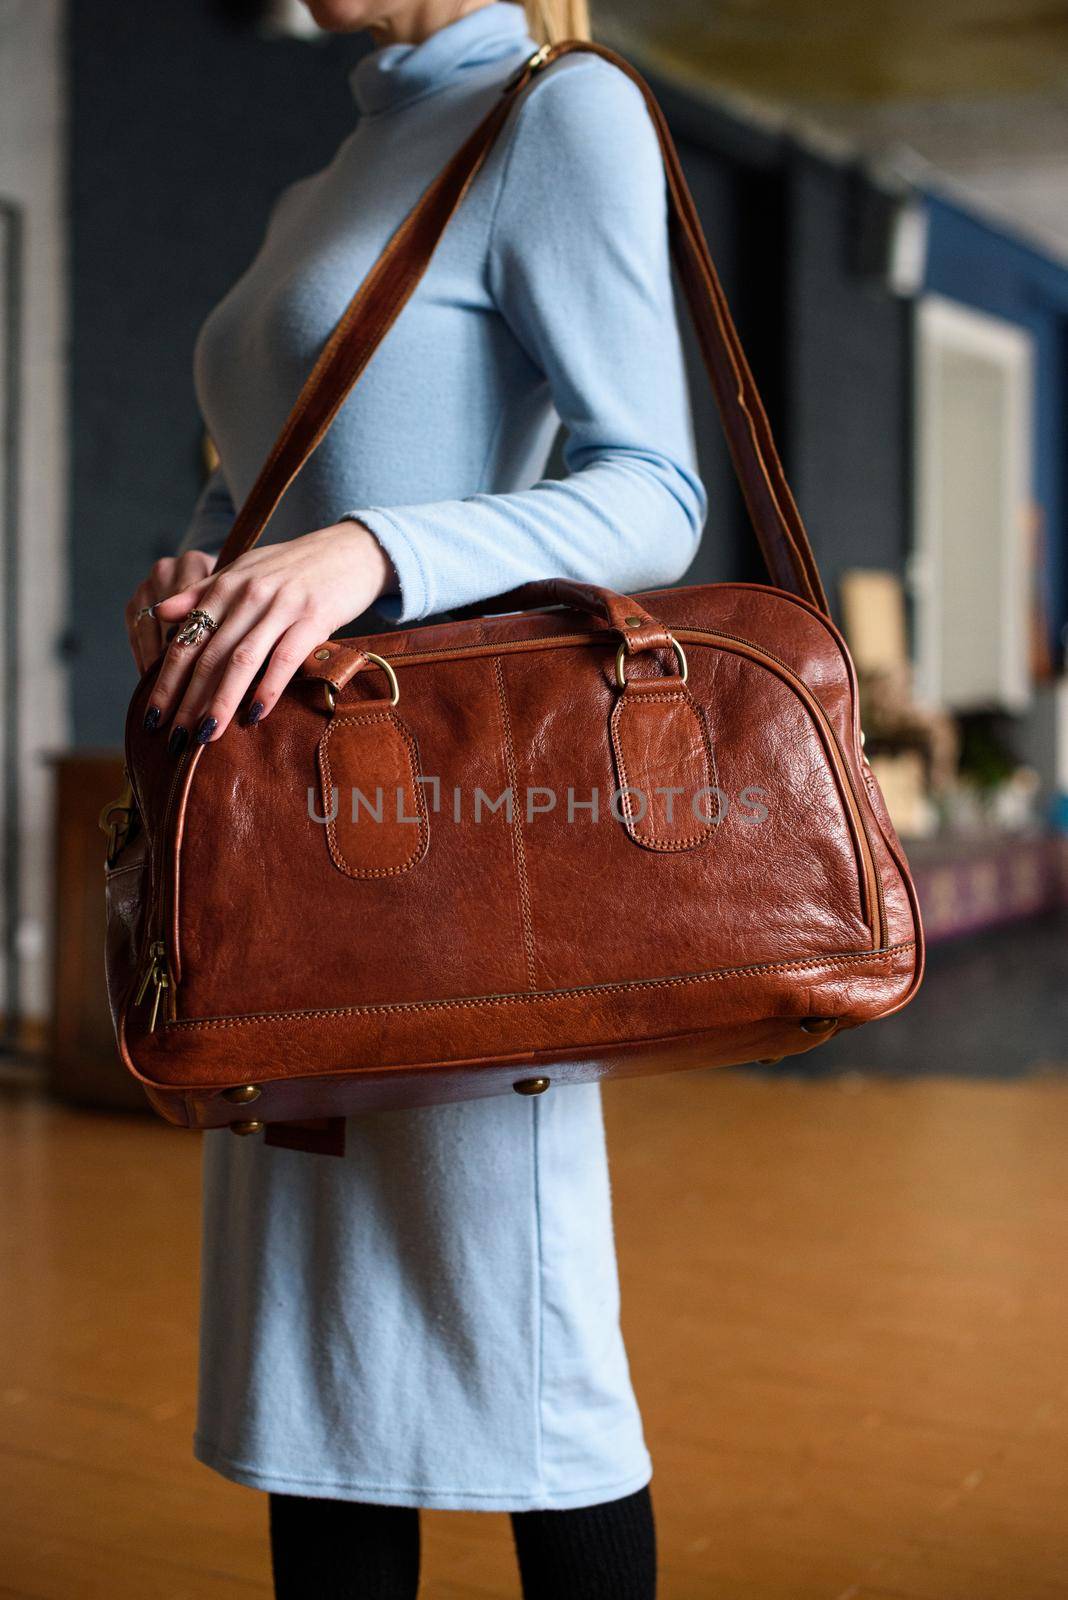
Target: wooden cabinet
(85, 1065)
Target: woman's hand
(273, 605)
(146, 634)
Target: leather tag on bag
(375, 809)
(665, 766)
(315, 1136)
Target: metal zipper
(156, 973)
(871, 884)
(157, 977)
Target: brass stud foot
(243, 1094)
(243, 1128)
(531, 1086)
(819, 1024)
(770, 1061)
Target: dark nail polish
(177, 742)
(255, 712)
(206, 729)
(152, 719)
(171, 631)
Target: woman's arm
(212, 517)
(579, 267)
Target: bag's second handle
(391, 281)
(337, 663)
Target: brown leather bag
(739, 894)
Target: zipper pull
(158, 975)
(149, 973)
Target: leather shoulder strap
(390, 282)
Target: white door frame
(33, 115)
(942, 324)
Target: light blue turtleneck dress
(433, 1320)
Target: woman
(434, 1319)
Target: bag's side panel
(126, 897)
(777, 877)
(815, 651)
(131, 881)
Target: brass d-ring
(379, 661)
(675, 645)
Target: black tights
(346, 1550)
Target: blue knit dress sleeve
(579, 267)
(211, 518)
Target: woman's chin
(342, 16)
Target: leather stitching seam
(423, 828)
(653, 841)
(525, 911)
(804, 963)
(131, 866)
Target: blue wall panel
(848, 382)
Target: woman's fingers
(235, 608)
(146, 630)
(226, 667)
(217, 688)
(272, 606)
(293, 648)
(141, 630)
(176, 606)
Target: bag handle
(337, 662)
(629, 618)
(390, 282)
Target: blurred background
(844, 1288)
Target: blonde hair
(551, 20)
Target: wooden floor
(846, 1304)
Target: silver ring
(197, 626)
(145, 611)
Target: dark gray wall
(736, 174)
(184, 127)
(847, 381)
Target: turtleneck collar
(395, 74)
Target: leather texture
(371, 802)
(598, 835)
